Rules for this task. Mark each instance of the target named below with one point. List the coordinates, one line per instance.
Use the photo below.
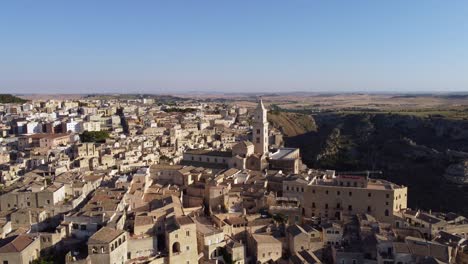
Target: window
(338, 206)
(350, 193)
(386, 212)
(326, 206)
(338, 193)
(368, 209)
(187, 248)
(48, 201)
(258, 131)
(313, 205)
(5, 262)
(388, 195)
(326, 192)
(187, 233)
(369, 195)
(350, 207)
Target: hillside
(9, 99)
(291, 124)
(410, 150)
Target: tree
(94, 136)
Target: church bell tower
(260, 129)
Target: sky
(156, 46)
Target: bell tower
(260, 129)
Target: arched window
(176, 247)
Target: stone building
(108, 246)
(21, 249)
(334, 196)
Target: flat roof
(214, 153)
(282, 153)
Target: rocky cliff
(410, 150)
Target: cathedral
(255, 155)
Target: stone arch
(176, 247)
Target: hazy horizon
(233, 47)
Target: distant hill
(9, 99)
(291, 124)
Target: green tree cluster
(94, 136)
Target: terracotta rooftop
(105, 235)
(15, 244)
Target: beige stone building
(336, 196)
(265, 247)
(20, 249)
(85, 150)
(303, 238)
(108, 246)
(181, 237)
(33, 195)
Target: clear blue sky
(252, 45)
